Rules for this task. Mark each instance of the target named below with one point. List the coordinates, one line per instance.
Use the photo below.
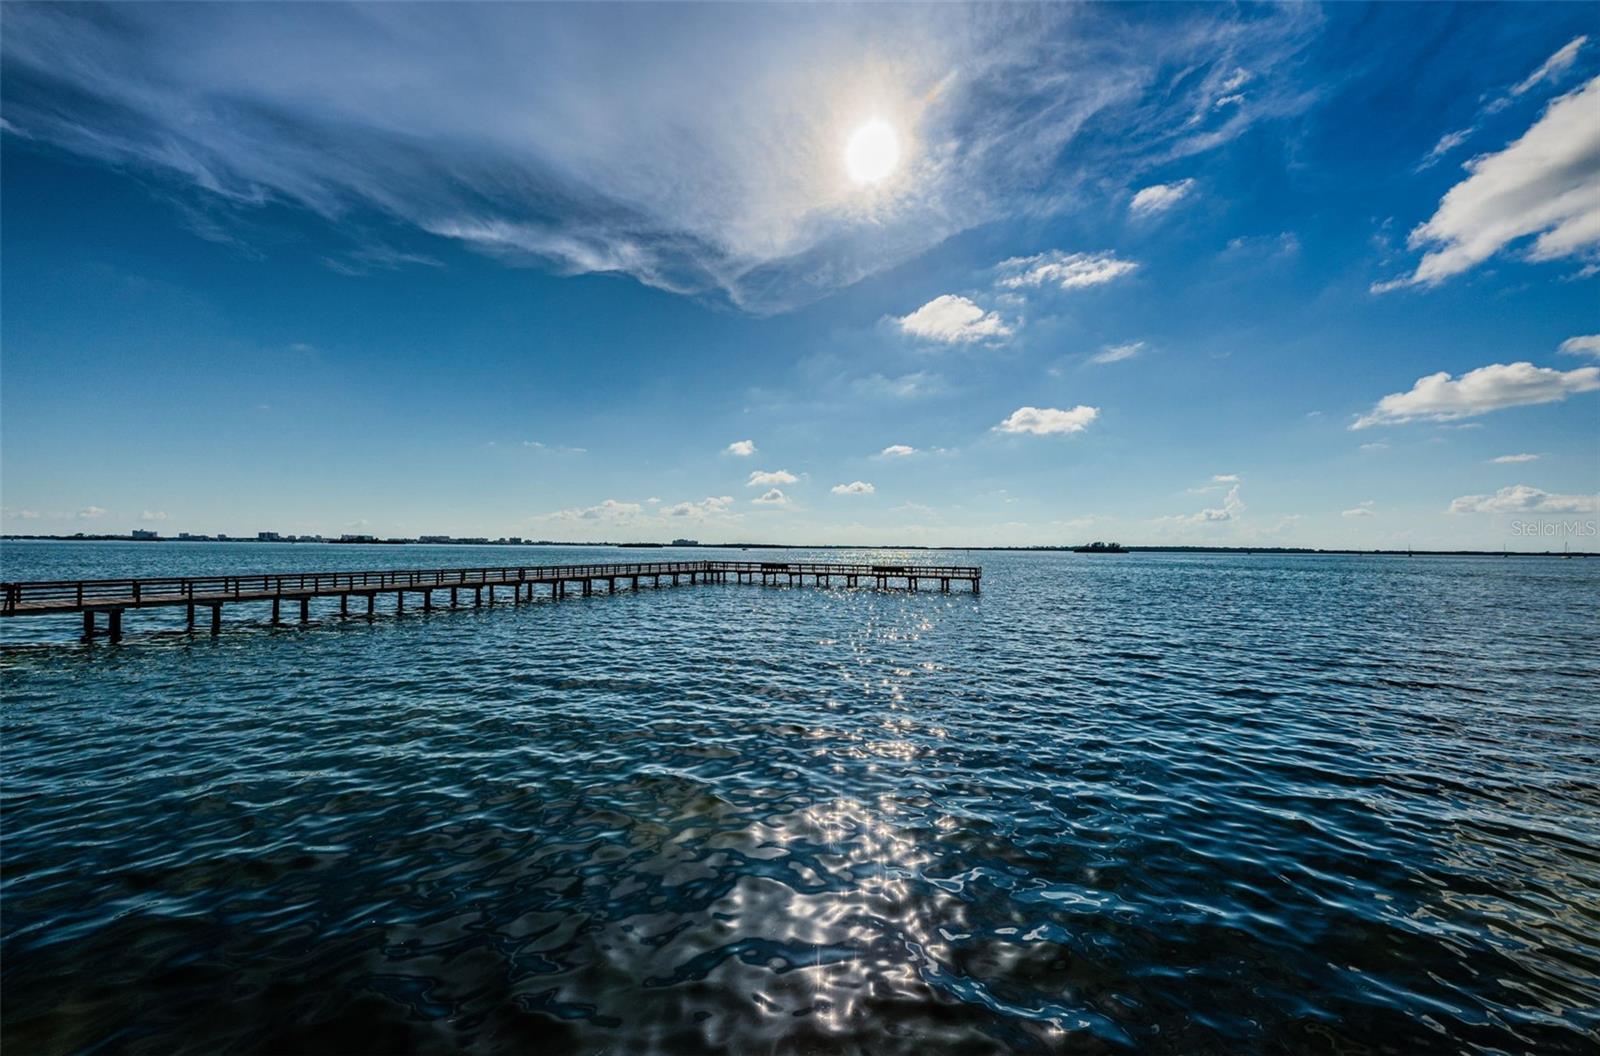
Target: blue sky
(1228, 275)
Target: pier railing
(80, 594)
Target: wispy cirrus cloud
(1159, 197)
(697, 150)
(1544, 186)
(1070, 271)
(1440, 397)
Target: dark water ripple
(1166, 804)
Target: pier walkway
(113, 596)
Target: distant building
(685, 542)
(145, 533)
(358, 538)
(268, 537)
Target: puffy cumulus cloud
(763, 478)
(741, 448)
(1546, 184)
(707, 507)
(855, 487)
(1225, 478)
(1361, 509)
(897, 451)
(1582, 345)
(697, 150)
(1043, 421)
(1509, 459)
(1232, 506)
(1070, 271)
(1439, 397)
(1159, 197)
(1520, 498)
(953, 319)
(771, 497)
(1117, 353)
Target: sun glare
(872, 153)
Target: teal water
(1151, 803)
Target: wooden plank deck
(113, 596)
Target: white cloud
(152, 515)
(742, 448)
(897, 451)
(1376, 445)
(1582, 345)
(1361, 509)
(1554, 66)
(695, 152)
(1546, 184)
(1520, 498)
(855, 487)
(1504, 459)
(1232, 506)
(905, 387)
(609, 510)
(954, 319)
(704, 508)
(1447, 142)
(560, 449)
(1225, 478)
(1439, 397)
(762, 478)
(91, 513)
(1117, 353)
(1042, 421)
(771, 497)
(1068, 270)
(1159, 197)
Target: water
(1153, 803)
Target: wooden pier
(475, 586)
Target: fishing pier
(103, 601)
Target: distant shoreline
(1061, 548)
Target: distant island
(1097, 547)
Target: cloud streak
(697, 150)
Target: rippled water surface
(1158, 803)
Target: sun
(872, 153)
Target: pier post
(305, 610)
(88, 625)
(944, 586)
(913, 580)
(114, 625)
(477, 597)
(344, 604)
(189, 616)
(427, 601)
(399, 603)
(635, 582)
(588, 587)
(372, 601)
(216, 619)
(275, 615)
(453, 597)
(491, 595)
